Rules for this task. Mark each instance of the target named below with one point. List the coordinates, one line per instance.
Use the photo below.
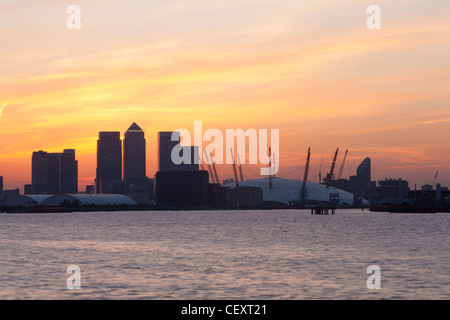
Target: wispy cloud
(2, 107)
(104, 3)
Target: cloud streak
(2, 107)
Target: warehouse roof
(90, 200)
(26, 200)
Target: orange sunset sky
(311, 69)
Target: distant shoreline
(23, 210)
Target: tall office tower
(109, 163)
(1, 184)
(136, 183)
(134, 153)
(363, 174)
(165, 147)
(54, 173)
(40, 172)
(68, 172)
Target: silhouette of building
(429, 197)
(165, 148)
(363, 174)
(90, 189)
(182, 189)
(40, 173)
(140, 189)
(85, 201)
(247, 197)
(353, 185)
(7, 194)
(359, 184)
(219, 197)
(228, 181)
(109, 164)
(134, 162)
(1, 184)
(285, 191)
(179, 184)
(393, 188)
(438, 192)
(137, 184)
(27, 200)
(53, 173)
(28, 189)
(68, 172)
(89, 200)
(344, 184)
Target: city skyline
(314, 71)
(114, 144)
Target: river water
(275, 255)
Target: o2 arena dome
(289, 190)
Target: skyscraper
(179, 185)
(1, 184)
(54, 173)
(109, 163)
(134, 162)
(136, 183)
(68, 172)
(363, 174)
(40, 172)
(165, 147)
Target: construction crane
(234, 169)
(216, 177)
(202, 166)
(270, 168)
(429, 193)
(342, 166)
(240, 168)
(305, 176)
(320, 171)
(330, 175)
(435, 178)
(208, 164)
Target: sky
(311, 69)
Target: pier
(323, 211)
